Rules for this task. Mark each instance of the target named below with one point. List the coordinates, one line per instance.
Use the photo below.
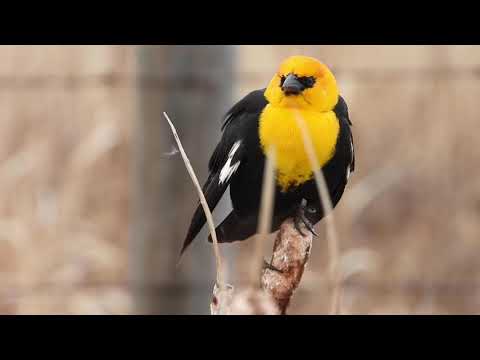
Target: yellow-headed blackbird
(302, 85)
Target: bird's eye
(282, 80)
(307, 81)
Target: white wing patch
(353, 154)
(227, 118)
(228, 169)
(351, 148)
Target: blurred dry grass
(66, 116)
(64, 179)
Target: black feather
(234, 129)
(241, 123)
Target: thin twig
(265, 216)
(203, 201)
(332, 239)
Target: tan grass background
(408, 222)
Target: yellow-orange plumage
(278, 127)
(278, 123)
(302, 87)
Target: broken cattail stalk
(291, 252)
(246, 301)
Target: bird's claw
(267, 265)
(301, 217)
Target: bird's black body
(240, 133)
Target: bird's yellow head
(305, 83)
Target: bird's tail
(212, 193)
(198, 220)
(234, 229)
(230, 230)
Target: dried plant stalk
(246, 301)
(332, 240)
(265, 216)
(203, 201)
(222, 300)
(291, 252)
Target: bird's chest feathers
(278, 127)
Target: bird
(304, 86)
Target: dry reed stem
(203, 201)
(332, 240)
(265, 216)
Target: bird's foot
(267, 265)
(301, 216)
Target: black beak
(292, 86)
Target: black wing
(226, 157)
(341, 110)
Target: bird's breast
(279, 127)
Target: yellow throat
(278, 127)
